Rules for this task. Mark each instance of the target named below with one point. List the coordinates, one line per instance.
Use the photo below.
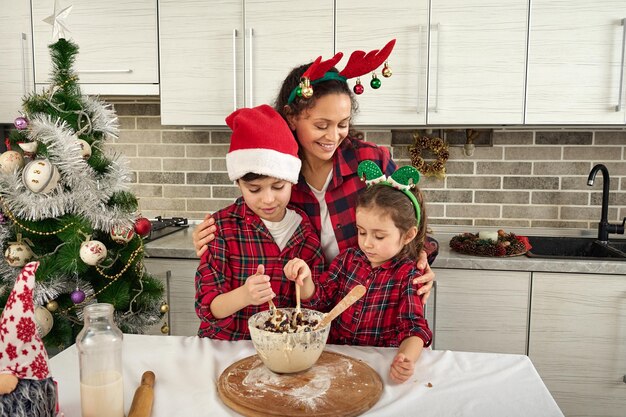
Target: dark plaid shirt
(342, 193)
(242, 244)
(390, 310)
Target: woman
(328, 185)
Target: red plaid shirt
(342, 193)
(389, 312)
(242, 244)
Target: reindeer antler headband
(403, 179)
(359, 63)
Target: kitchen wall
(528, 178)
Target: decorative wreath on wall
(438, 147)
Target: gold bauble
(307, 91)
(387, 72)
(52, 306)
(165, 329)
(165, 308)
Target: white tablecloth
(187, 369)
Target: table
(187, 369)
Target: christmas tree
(65, 202)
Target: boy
(259, 233)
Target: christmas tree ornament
(52, 306)
(57, 20)
(92, 252)
(40, 176)
(375, 83)
(11, 161)
(165, 329)
(121, 234)
(359, 63)
(85, 148)
(358, 87)
(26, 386)
(77, 296)
(386, 70)
(20, 123)
(29, 148)
(44, 321)
(305, 88)
(165, 308)
(143, 226)
(18, 253)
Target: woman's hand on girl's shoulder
(426, 279)
(203, 234)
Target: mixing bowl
(286, 353)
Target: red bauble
(358, 88)
(143, 226)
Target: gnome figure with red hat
(26, 387)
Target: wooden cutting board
(337, 385)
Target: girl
(391, 226)
(328, 185)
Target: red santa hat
(22, 353)
(261, 143)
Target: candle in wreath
(488, 235)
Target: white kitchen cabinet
(223, 55)
(575, 62)
(577, 341)
(480, 311)
(183, 320)
(469, 68)
(16, 63)
(117, 40)
(477, 61)
(367, 25)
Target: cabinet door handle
(250, 49)
(168, 276)
(23, 47)
(106, 71)
(234, 69)
(434, 328)
(437, 28)
(419, 64)
(618, 108)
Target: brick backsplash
(529, 177)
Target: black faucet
(604, 227)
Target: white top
(187, 370)
(283, 230)
(327, 234)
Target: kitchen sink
(576, 248)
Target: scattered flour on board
(261, 378)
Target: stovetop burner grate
(163, 227)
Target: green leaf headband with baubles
(404, 179)
(360, 63)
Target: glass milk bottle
(99, 346)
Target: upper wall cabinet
(477, 61)
(117, 40)
(223, 55)
(576, 62)
(16, 65)
(464, 66)
(366, 25)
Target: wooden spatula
(350, 298)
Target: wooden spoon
(350, 298)
(297, 312)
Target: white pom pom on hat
(261, 143)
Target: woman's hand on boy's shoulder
(204, 233)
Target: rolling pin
(144, 396)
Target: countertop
(179, 245)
